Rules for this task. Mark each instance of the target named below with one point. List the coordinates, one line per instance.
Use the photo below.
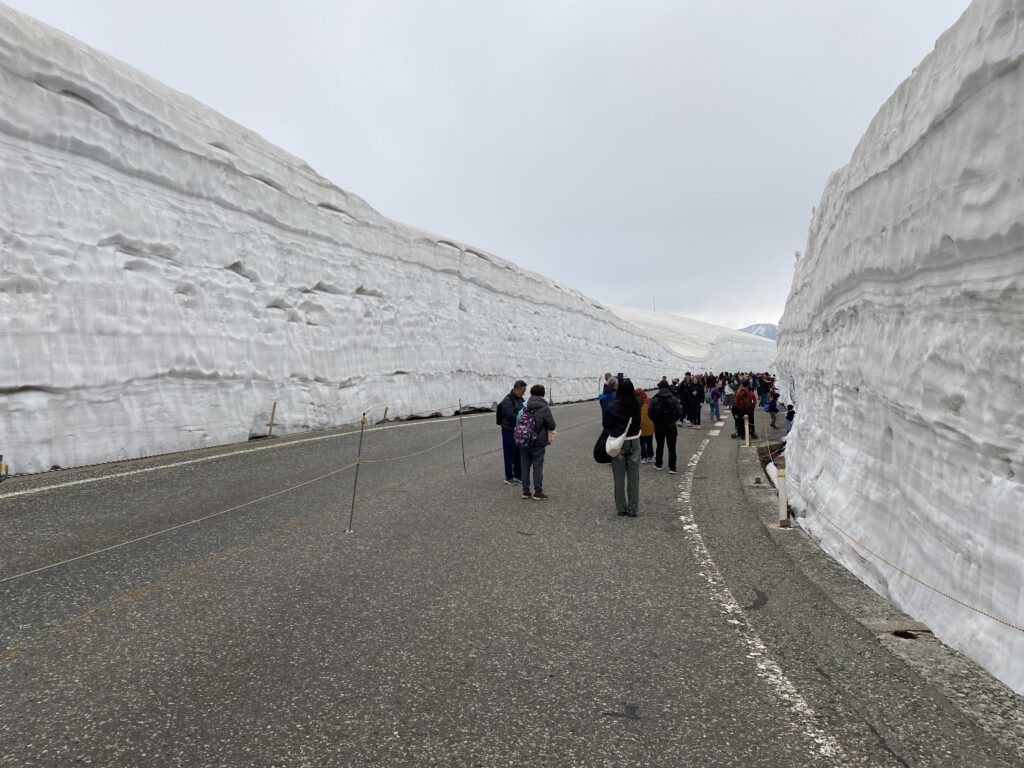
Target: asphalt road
(457, 624)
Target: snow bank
(902, 340)
(167, 275)
(703, 346)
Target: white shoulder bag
(614, 444)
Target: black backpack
(656, 409)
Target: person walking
(535, 431)
(646, 428)
(715, 403)
(665, 410)
(790, 415)
(746, 404)
(695, 398)
(508, 409)
(623, 417)
(773, 406)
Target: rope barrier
(881, 558)
(196, 521)
(417, 453)
(171, 528)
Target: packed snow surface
(902, 345)
(168, 275)
(704, 347)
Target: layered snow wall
(902, 343)
(166, 275)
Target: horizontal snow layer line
(102, 162)
(973, 84)
(885, 561)
(978, 274)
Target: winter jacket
(746, 401)
(542, 417)
(615, 422)
(508, 409)
(606, 398)
(646, 425)
(664, 409)
(695, 394)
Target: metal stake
(355, 481)
(462, 435)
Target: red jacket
(746, 401)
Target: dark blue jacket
(508, 409)
(615, 422)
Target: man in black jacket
(507, 410)
(665, 410)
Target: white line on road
(714, 433)
(172, 465)
(767, 668)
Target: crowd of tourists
(639, 428)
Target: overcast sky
(638, 151)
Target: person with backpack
(746, 404)
(665, 410)
(623, 418)
(534, 431)
(715, 402)
(508, 409)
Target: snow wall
(167, 275)
(902, 345)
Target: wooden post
(273, 413)
(355, 482)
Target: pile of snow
(765, 330)
(704, 347)
(902, 342)
(168, 275)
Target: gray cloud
(632, 150)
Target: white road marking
(289, 444)
(714, 433)
(767, 668)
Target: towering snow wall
(165, 275)
(902, 342)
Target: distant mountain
(767, 330)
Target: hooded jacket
(542, 417)
(665, 409)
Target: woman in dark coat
(621, 415)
